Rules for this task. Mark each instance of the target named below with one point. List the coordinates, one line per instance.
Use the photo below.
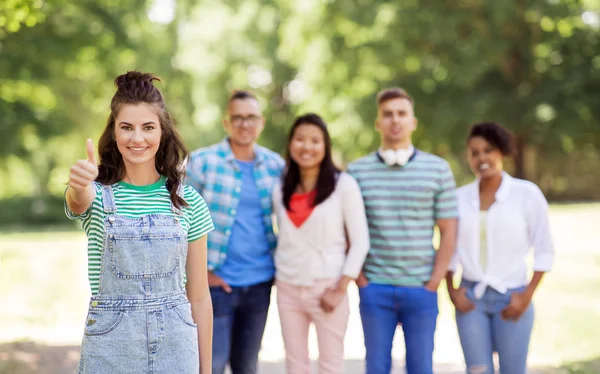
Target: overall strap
(108, 200)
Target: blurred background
(531, 65)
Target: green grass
(44, 286)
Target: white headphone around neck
(396, 157)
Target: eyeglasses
(251, 120)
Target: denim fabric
(382, 307)
(239, 323)
(483, 332)
(140, 321)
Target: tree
(59, 59)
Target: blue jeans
(382, 307)
(483, 332)
(239, 323)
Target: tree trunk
(520, 158)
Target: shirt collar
(505, 185)
(226, 152)
(502, 192)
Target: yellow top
(483, 239)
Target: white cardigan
(317, 249)
(516, 222)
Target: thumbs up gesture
(84, 172)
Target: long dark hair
(135, 88)
(328, 172)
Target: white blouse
(516, 222)
(317, 249)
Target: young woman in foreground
(146, 232)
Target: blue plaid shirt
(213, 172)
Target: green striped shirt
(402, 206)
(136, 201)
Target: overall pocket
(102, 322)
(184, 313)
(145, 256)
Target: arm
(533, 284)
(447, 227)
(357, 229)
(357, 233)
(81, 193)
(450, 282)
(538, 228)
(540, 239)
(458, 296)
(452, 265)
(361, 280)
(445, 206)
(79, 201)
(199, 297)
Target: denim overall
(140, 321)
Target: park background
(531, 65)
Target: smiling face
(137, 134)
(485, 160)
(244, 121)
(307, 146)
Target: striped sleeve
(85, 215)
(446, 205)
(199, 217)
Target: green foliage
(56, 75)
(533, 66)
(32, 211)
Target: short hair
(498, 136)
(241, 95)
(393, 93)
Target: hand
(432, 285)
(331, 298)
(84, 172)
(461, 301)
(361, 281)
(519, 301)
(216, 281)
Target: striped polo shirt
(134, 202)
(402, 204)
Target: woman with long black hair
(319, 210)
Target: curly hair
(135, 88)
(495, 134)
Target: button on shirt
(516, 222)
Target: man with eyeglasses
(236, 177)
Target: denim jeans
(239, 323)
(483, 332)
(382, 307)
